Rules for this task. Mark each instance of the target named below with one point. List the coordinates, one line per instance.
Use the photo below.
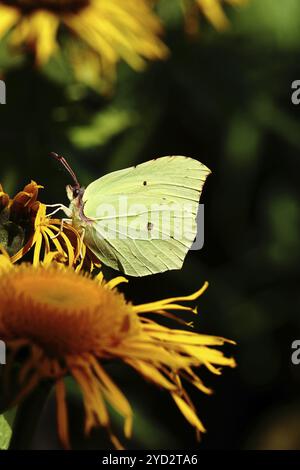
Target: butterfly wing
(145, 216)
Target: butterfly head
(74, 192)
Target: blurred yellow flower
(109, 30)
(71, 323)
(213, 10)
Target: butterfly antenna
(66, 165)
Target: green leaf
(5, 433)
(103, 127)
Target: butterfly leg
(61, 228)
(81, 241)
(59, 207)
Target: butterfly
(140, 220)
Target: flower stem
(27, 417)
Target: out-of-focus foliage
(224, 98)
(5, 433)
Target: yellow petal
(168, 303)
(115, 396)
(8, 17)
(116, 281)
(62, 416)
(40, 30)
(214, 13)
(188, 412)
(152, 373)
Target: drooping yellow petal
(114, 396)
(188, 412)
(62, 415)
(96, 411)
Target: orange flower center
(57, 6)
(63, 312)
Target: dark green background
(224, 99)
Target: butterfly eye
(75, 192)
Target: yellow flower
(71, 323)
(107, 30)
(213, 11)
(25, 216)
